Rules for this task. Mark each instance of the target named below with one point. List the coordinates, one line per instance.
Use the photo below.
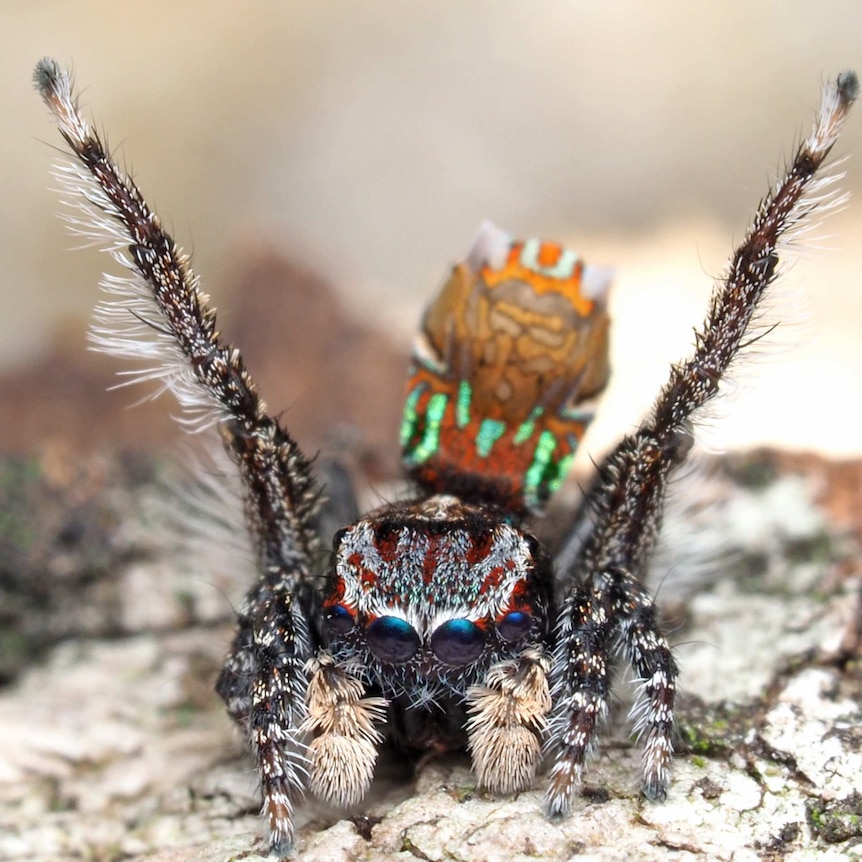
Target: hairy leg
(627, 502)
(157, 314)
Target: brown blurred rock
(322, 370)
(314, 364)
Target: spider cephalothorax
(431, 593)
(425, 599)
(442, 622)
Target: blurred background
(298, 148)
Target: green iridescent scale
(543, 463)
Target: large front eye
(458, 642)
(392, 640)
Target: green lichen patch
(836, 820)
(712, 731)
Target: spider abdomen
(510, 354)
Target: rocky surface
(113, 745)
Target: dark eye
(458, 642)
(392, 640)
(339, 619)
(534, 547)
(514, 626)
(338, 537)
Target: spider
(441, 622)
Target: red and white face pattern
(436, 590)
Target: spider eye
(339, 619)
(392, 640)
(458, 642)
(534, 546)
(337, 538)
(514, 626)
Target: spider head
(435, 591)
(510, 354)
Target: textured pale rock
(117, 748)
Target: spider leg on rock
(607, 602)
(158, 313)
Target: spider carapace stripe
(509, 355)
(441, 623)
